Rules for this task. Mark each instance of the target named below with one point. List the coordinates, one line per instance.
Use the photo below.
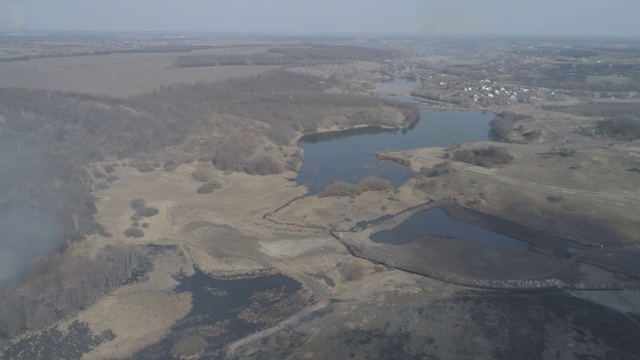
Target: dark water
(437, 222)
(237, 292)
(349, 155)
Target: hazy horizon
(490, 17)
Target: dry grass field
(119, 75)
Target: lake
(350, 155)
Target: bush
(200, 176)
(264, 165)
(489, 157)
(102, 186)
(112, 178)
(626, 126)
(146, 168)
(134, 232)
(209, 187)
(341, 188)
(373, 183)
(563, 151)
(502, 125)
(169, 166)
(187, 346)
(148, 212)
(532, 135)
(138, 204)
(145, 225)
(109, 169)
(400, 159)
(436, 170)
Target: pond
(437, 222)
(350, 155)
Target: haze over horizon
(517, 17)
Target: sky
(501, 17)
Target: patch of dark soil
(225, 310)
(479, 325)
(623, 261)
(55, 344)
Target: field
(172, 175)
(116, 75)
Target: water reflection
(350, 155)
(437, 222)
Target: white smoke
(12, 15)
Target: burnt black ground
(472, 325)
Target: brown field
(117, 75)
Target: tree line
(76, 283)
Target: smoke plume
(12, 15)
(27, 232)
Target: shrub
(563, 151)
(436, 170)
(135, 224)
(102, 186)
(138, 204)
(209, 187)
(341, 188)
(532, 135)
(400, 159)
(555, 198)
(112, 178)
(169, 166)
(489, 157)
(627, 126)
(145, 225)
(187, 346)
(373, 183)
(148, 212)
(200, 176)
(134, 232)
(146, 168)
(503, 125)
(109, 169)
(264, 165)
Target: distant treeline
(288, 55)
(143, 50)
